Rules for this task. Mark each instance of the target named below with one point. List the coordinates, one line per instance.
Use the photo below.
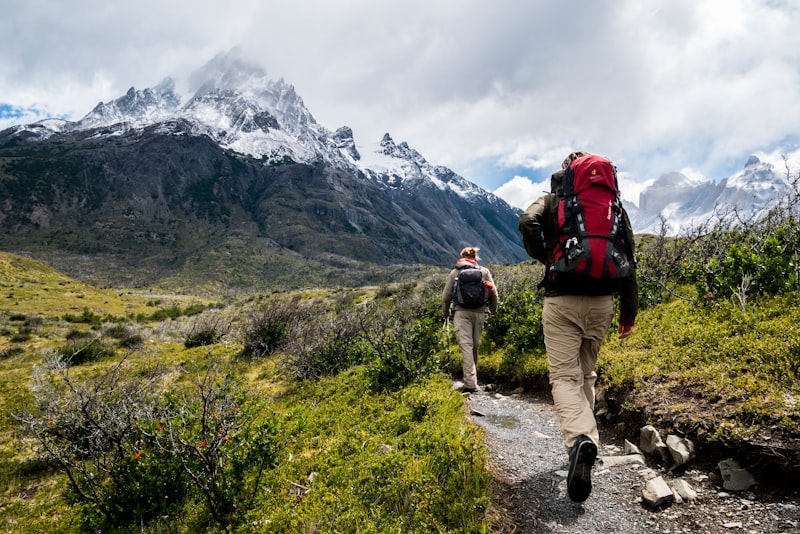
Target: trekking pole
(445, 337)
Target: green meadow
(332, 410)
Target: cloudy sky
(498, 91)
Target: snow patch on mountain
(237, 105)
(400, 166)
(685, 203)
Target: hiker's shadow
(555, 509)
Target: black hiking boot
(581, 459)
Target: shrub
(326, 345)
(517, 327)
(72, 335)
(24, 333)
(10, 353)
(404, 351)
(271, 328)
(133, 453)
(87, 317)
(206, 331)
(194, 309)
(124, 336)
(216, 432)
(173, 312)
(132, 341)
(76, 353)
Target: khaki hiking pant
(574, 329)
(468, 325)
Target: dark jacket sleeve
(629, 293)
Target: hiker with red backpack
(471, 292)
(583, 236)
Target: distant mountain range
(237, 184)
(683, 203)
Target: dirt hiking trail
(529, 466)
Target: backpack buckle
(573, 249)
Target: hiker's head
(470, 253)
(572, 157)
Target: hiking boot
(581, 459)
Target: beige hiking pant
(468, 325)
(574, 329)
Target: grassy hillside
(29, 287)
(715, 372)
(326, 409)
(293, 455)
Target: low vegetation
(295, 412)
(332, 411)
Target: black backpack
(469, 290)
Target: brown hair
(471, 253)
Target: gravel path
(529, 465)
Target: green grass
(732, 375)
(350, 459)
(357, 461)
(354, 459)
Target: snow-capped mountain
(685, 203)
(242, 109)
(161, 177)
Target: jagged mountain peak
(685, 203)
(751, 161)
(401, 151)
(757, 176)
(235, 104)
(233, 72)
(148, 105)
(343, 140)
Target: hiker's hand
(625, 331)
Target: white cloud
(656, 86)
(520, 191)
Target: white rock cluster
(675, 451)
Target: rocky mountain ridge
(158, 186)
(684, 203)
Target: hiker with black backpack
(470, 292)
(583, 236)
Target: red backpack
(591, 238)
